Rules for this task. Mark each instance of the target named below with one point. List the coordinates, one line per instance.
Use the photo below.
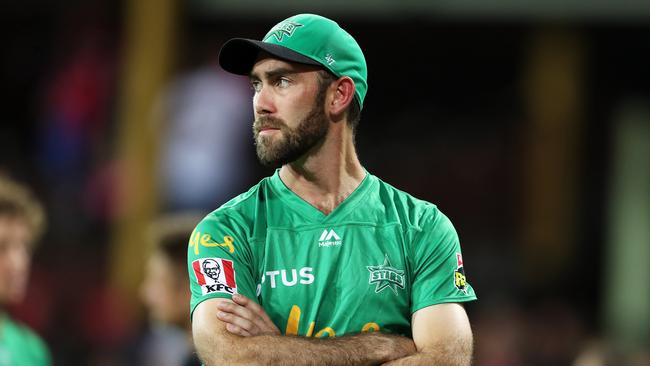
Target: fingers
(253, 306)
(242, 318)
(241, 299)
(236, 324)
(247, 316)
(237, 330)
(238, 315)
(236, 309)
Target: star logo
(386, 276)
(282, 29)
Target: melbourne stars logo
(385, 275)
(282, 29)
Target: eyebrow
(274, 73)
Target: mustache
(268, 122)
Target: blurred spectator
(166, 294)
(554, 329)
(594, 353)
(499, 330)
(599, 351)
(21, 224)
(75, 122)
(206, 117)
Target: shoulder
(238, 214)
(20, 329)
(411, 211)
(26, 339)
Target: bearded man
(323, 262)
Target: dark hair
(170, 236)
(326, 78)
(174, 247)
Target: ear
(343, 96)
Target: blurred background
(527, 123)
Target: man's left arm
(441, 332)
(439, 324)
(442, 336)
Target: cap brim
(238, 55)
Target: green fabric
(377, 258)
(325, 42)
(19, 346)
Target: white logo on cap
(283, 29)
(330, 60)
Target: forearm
(360, 349)
(421, 359)
(457, 353)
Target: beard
(273, 151)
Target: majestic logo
(329, 239)
(282, 29)
(460, 281)
(385, 275)
(215, 275)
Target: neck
(327, 175)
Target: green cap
(304, 38)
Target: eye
(282, 82)
(256, 86)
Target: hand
(245, 317)
(394, 347)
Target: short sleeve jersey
(369, 265)
(21, 346)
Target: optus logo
(289, 277)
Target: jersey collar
(295, 202)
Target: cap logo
(330, 60)
(282, 29)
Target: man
(322, 263)
(165, 292)
(21, 223)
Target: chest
(343, 278)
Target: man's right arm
(216, 346)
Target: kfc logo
(215, 275)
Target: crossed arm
(240, 333)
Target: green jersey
(19, 346)
(369, 265)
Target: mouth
(267, 126)
(267, 130)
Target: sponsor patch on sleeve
(215, 275)
(460, 281)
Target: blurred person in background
(21, 224)
(346, 268)
(203, 122)
(165, 292)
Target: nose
(263, 101)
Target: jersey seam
(367, 190)
(287, 202)
(444, 300)
(313, 226)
